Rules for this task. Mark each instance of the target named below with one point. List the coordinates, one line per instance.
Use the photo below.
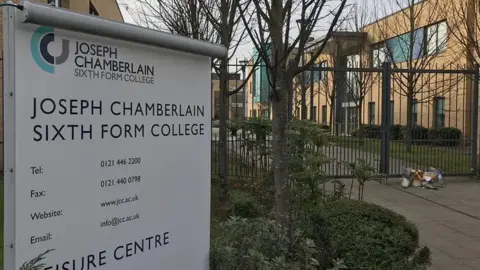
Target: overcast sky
(380, 7)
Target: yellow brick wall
(455, 88)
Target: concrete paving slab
(452, 236)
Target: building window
(379, 55)
(254, 113)
(353, 77)
(52, 2)
(324, 114)
(439, 104)
(436, 38)
(297, 113)
(314, 113)
(392, 112)
(93, 10)
(216, 99)
(320, 74)
(399, 47)
(371, 113)
(415, 111)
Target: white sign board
(111, 153)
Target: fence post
(312, 82)
(475, 118)
(386, 119)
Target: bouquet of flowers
(431, 179)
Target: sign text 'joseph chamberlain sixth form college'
(92, 60)
(112, 149)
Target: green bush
(396, 132)
(368, 131)
(325, 127)
(260, 127)
(242, 204)
(367, 236)
(446, 136)
(259, 244)
(233, 126)
(419, 134)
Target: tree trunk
(222, 143)
(280, 150)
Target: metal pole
(474, 117)
(83, 23)
(312, 112)
(253, 100)
(386, 119)
(290, 103)
(304, 91)
(245, 95)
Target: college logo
(41, 38)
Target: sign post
(107, 144)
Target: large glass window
(371, 113)
(415, 111)
(353, 61)
(399, 47)
(379, 54)
(323, 74)
(439, 112)
(426, 41)
(392, 112)
(93, 10)
(320, 75)
(324, 114)
(436, 38)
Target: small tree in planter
(363, 172)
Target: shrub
(259, 126)
(446, 136)
(396, 132)
(367, 236)
(368, 131)
(242, 204)
(325, 127)
(259, 244)
(233, 126)
(419, 134)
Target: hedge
(368, 236)
(446, 136)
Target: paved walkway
(448, 219)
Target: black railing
(392, 117)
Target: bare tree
(464, 29)
(276, 49)
(464, 26)
(412, 46)
(359, 83)
(216, 21)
